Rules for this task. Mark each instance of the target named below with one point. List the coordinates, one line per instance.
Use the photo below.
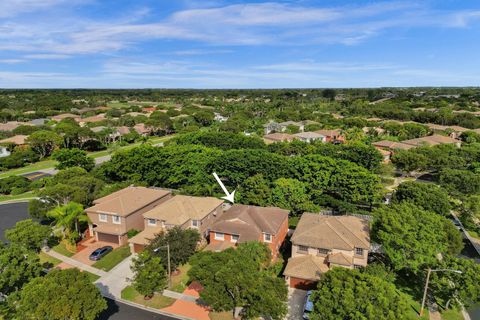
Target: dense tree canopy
(149, 274)
(29, 234)
(428, 196)
(73, 158)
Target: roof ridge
(348, 229)
(263, 220)
(338, 234)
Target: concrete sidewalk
(75, 263)
(113, 282)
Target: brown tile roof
(306, 267)
(97, 118)
(127, 201)
(18, 139)
(277, 136)
(123, 130)
(392, 145)
(12, 125)
(330, 132)
(332, 232)
(180, 209)
(340, 258)
(62, 116)
(146, 235)
(444, 128)
(249, 222)
(141, 128)
(431, 140)
(219, 246)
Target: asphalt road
(120, 311)
(11, 214)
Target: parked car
(308, 307)
(100, 253)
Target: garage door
(138, 248)
(107, 237)
(302, 284)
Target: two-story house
(321, 242)
(114, 215)
(183, 211)
(310, 137)
(242, 223)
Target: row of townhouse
(318, 243)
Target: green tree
(182, 242)
(68, 217)
(61, 294)
(44, 142)
(428, 196)
(291, 194)
(351, 294)
(255, 190)
(236, 280)
(150, 275)
(18, 266)
(204, 117)
(28, 233)
(460, 182)
(409, 161)
(160, 122)
(412, 238)
(73, 158)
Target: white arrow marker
(229, 196)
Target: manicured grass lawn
(181, 281)
(91, 276)
(113, 258)
(452, 314)
(60, 248)
(45, 258)
(158, 301)
(226, 315)
(26, 195)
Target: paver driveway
(91, 245)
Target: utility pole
(425, 291)
(169, 269)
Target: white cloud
(11, 61)
(46, 56)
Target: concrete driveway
(91, 245)
(296, 302)
(112, 284)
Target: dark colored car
(100, 253)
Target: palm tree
(68, 216)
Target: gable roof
(249, 222)
(309, 135)
(291, 123)
(392, 145)
(332, 232)
(18, 139)
(277, 136)
(330, 132)
(180, 209)
(12, 125)
(340, 258)
(431, 140)
(127, 201)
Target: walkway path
(112, 283)
(75, 263)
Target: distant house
(63, 116)
(142, 129)
(114, 215)
(39, 122)
(432, 140)
(219, 117)
(182, 211)
(19, 140)
(278, 137)
(286, 124)
(149, 109)
(310, 136)
(332, 135)
(321, 242)
(454, 131)
(272, 126)
(123, 130)
(12, 125)
(242, 223)
(93, 119)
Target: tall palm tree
(68, 216)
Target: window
(322, 251)
(356, 266)
(219, 236)
(152, 222)
(102, 217)
(302, 249)
(116, 219)
(195, 223)
(267, 237)
(234, 238)
(359, 251)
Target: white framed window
(116, 219)
(359, 251)
(234, 238)
(102, 217)
(195, 223)
(219, 236)
(303, 249)
(151, 222)
(267, 237)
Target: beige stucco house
(114, 215)
(183, 211)
(321, 242)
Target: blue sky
(238, 44)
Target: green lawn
(91, 276)
(23, 196)
(158, 301)
(181, 281)
(113, 258)
(62, 249)
(226, 315)
(45, 258)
